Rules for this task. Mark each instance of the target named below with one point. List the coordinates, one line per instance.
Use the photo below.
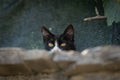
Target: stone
(98, 63)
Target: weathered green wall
(112, 10)
(20, 22)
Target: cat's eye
(63, 44)
(50, 44)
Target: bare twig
(95, 18)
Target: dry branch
(95, 18)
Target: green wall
(112, 10)
(20, 22)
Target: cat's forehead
(56, 36)
(53, 38)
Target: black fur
(67, 37)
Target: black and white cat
(54, 43)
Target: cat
(54, 43)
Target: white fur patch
(56, 48)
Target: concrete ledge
(17, 61)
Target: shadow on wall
(116, 33)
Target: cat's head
(53, 43)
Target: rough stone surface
(99, 63)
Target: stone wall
(99, 63)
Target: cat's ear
(69, 32)
(45, 31)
